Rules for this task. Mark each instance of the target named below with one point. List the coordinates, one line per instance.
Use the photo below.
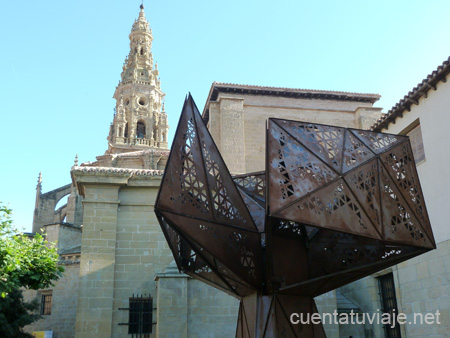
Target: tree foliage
(29, 262)
(15, 314)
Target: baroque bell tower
(140, 120)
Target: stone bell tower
(140, 121)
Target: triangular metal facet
(237, 249)
(324, 141)
(226, 201)
(355, 152)
(400, 224)
(332, 207)
(365, 185)
(293, 171)
(378, 142)
(400, 164)
(184, 186)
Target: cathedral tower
(140, 122)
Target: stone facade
(64, 301)
(122, 251)
(187, 308)
(236, 116)
(107, 233)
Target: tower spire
(139, 122)
(39, 181)
(38, 189)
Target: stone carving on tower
(140, 121)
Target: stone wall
(237, 122)
(424, 287)
(326, 303)
(123, 249)
(189, 308)
(64, 303)
(66, 236)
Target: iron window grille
(46, 304)
(389, 303)
(140, 316)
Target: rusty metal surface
(334, 205)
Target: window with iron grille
(46, 304)
(140, 315)
(389, 303)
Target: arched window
(142, 51)
(126, 130)
(140, 130)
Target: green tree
(15, 314)
(29, 262)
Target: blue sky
(60, 63)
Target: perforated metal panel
(334, 205)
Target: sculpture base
(276, 316)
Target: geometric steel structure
(333, 205)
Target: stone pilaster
(232, 140)
(96, 284)
(172, 306)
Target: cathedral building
(120, 275)
(120, 278)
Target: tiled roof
(285, 90)
(218, 87)
(414, 95)
(119, 171)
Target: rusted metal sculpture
(334, 205)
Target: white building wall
(434, 116)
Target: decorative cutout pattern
(378, 142)
(247, 256)
(401, 165)
(324, 141)
(194, 191)
(364, 183)
(337, 200)
(355, 152)
(398, 216)
(294, 170)
(254, 184)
